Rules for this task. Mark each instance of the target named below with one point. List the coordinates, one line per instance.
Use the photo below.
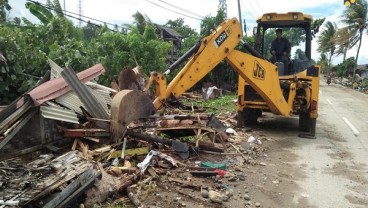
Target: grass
(217, 105)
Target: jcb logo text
(258, 71)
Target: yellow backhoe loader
(263, 86)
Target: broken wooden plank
(10, 120)
(152, 172)
(71, 189)
(92, 139)
(84, 149)
(86, 133)
(74, 146)
(133, 197)
(107, 186)
(86, 184)
(71, 166)
(145, 137)
(18, 127)
(130, 152)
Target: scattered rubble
(170, 160)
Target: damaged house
(170, 35)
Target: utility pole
(80, 12)
(64, 9)
(240, 18)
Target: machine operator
(280, 50)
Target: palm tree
(326, 41)
(344, 41)
(4, 9)
(141, 21)
(355, 17)
(323, 62)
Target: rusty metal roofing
(58, 113)
(57, 87)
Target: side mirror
(255, 31)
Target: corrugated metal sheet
(55, 69)
(71, 101)
(100, 99)
(106, 96)
(59, 113)
(102, 90)
(93, 106)
(57, 87)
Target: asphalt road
(336, 163)
(328, 172)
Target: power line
(172, 10)
(182, 9)
(251, 5)
(68, 15)
(250, 13)
(259, 6)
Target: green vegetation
(343, 68)
(226, 103)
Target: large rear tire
(313, 123)
(304, 122)
(248, 117)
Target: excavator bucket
(128, 106)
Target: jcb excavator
(263, 86)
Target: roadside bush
(345, 67)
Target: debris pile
(165, 160)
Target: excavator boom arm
(219, 46)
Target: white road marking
(355, 131)
(329, 101)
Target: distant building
(171, 35)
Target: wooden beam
(22, 123)
(73, 189)
(85, 132)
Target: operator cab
(296, 28)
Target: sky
(160, 11)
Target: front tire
(251, 116)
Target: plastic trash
(231, 131)
(220, 172)
(213, 165)
(146, 162)
(253, 140)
